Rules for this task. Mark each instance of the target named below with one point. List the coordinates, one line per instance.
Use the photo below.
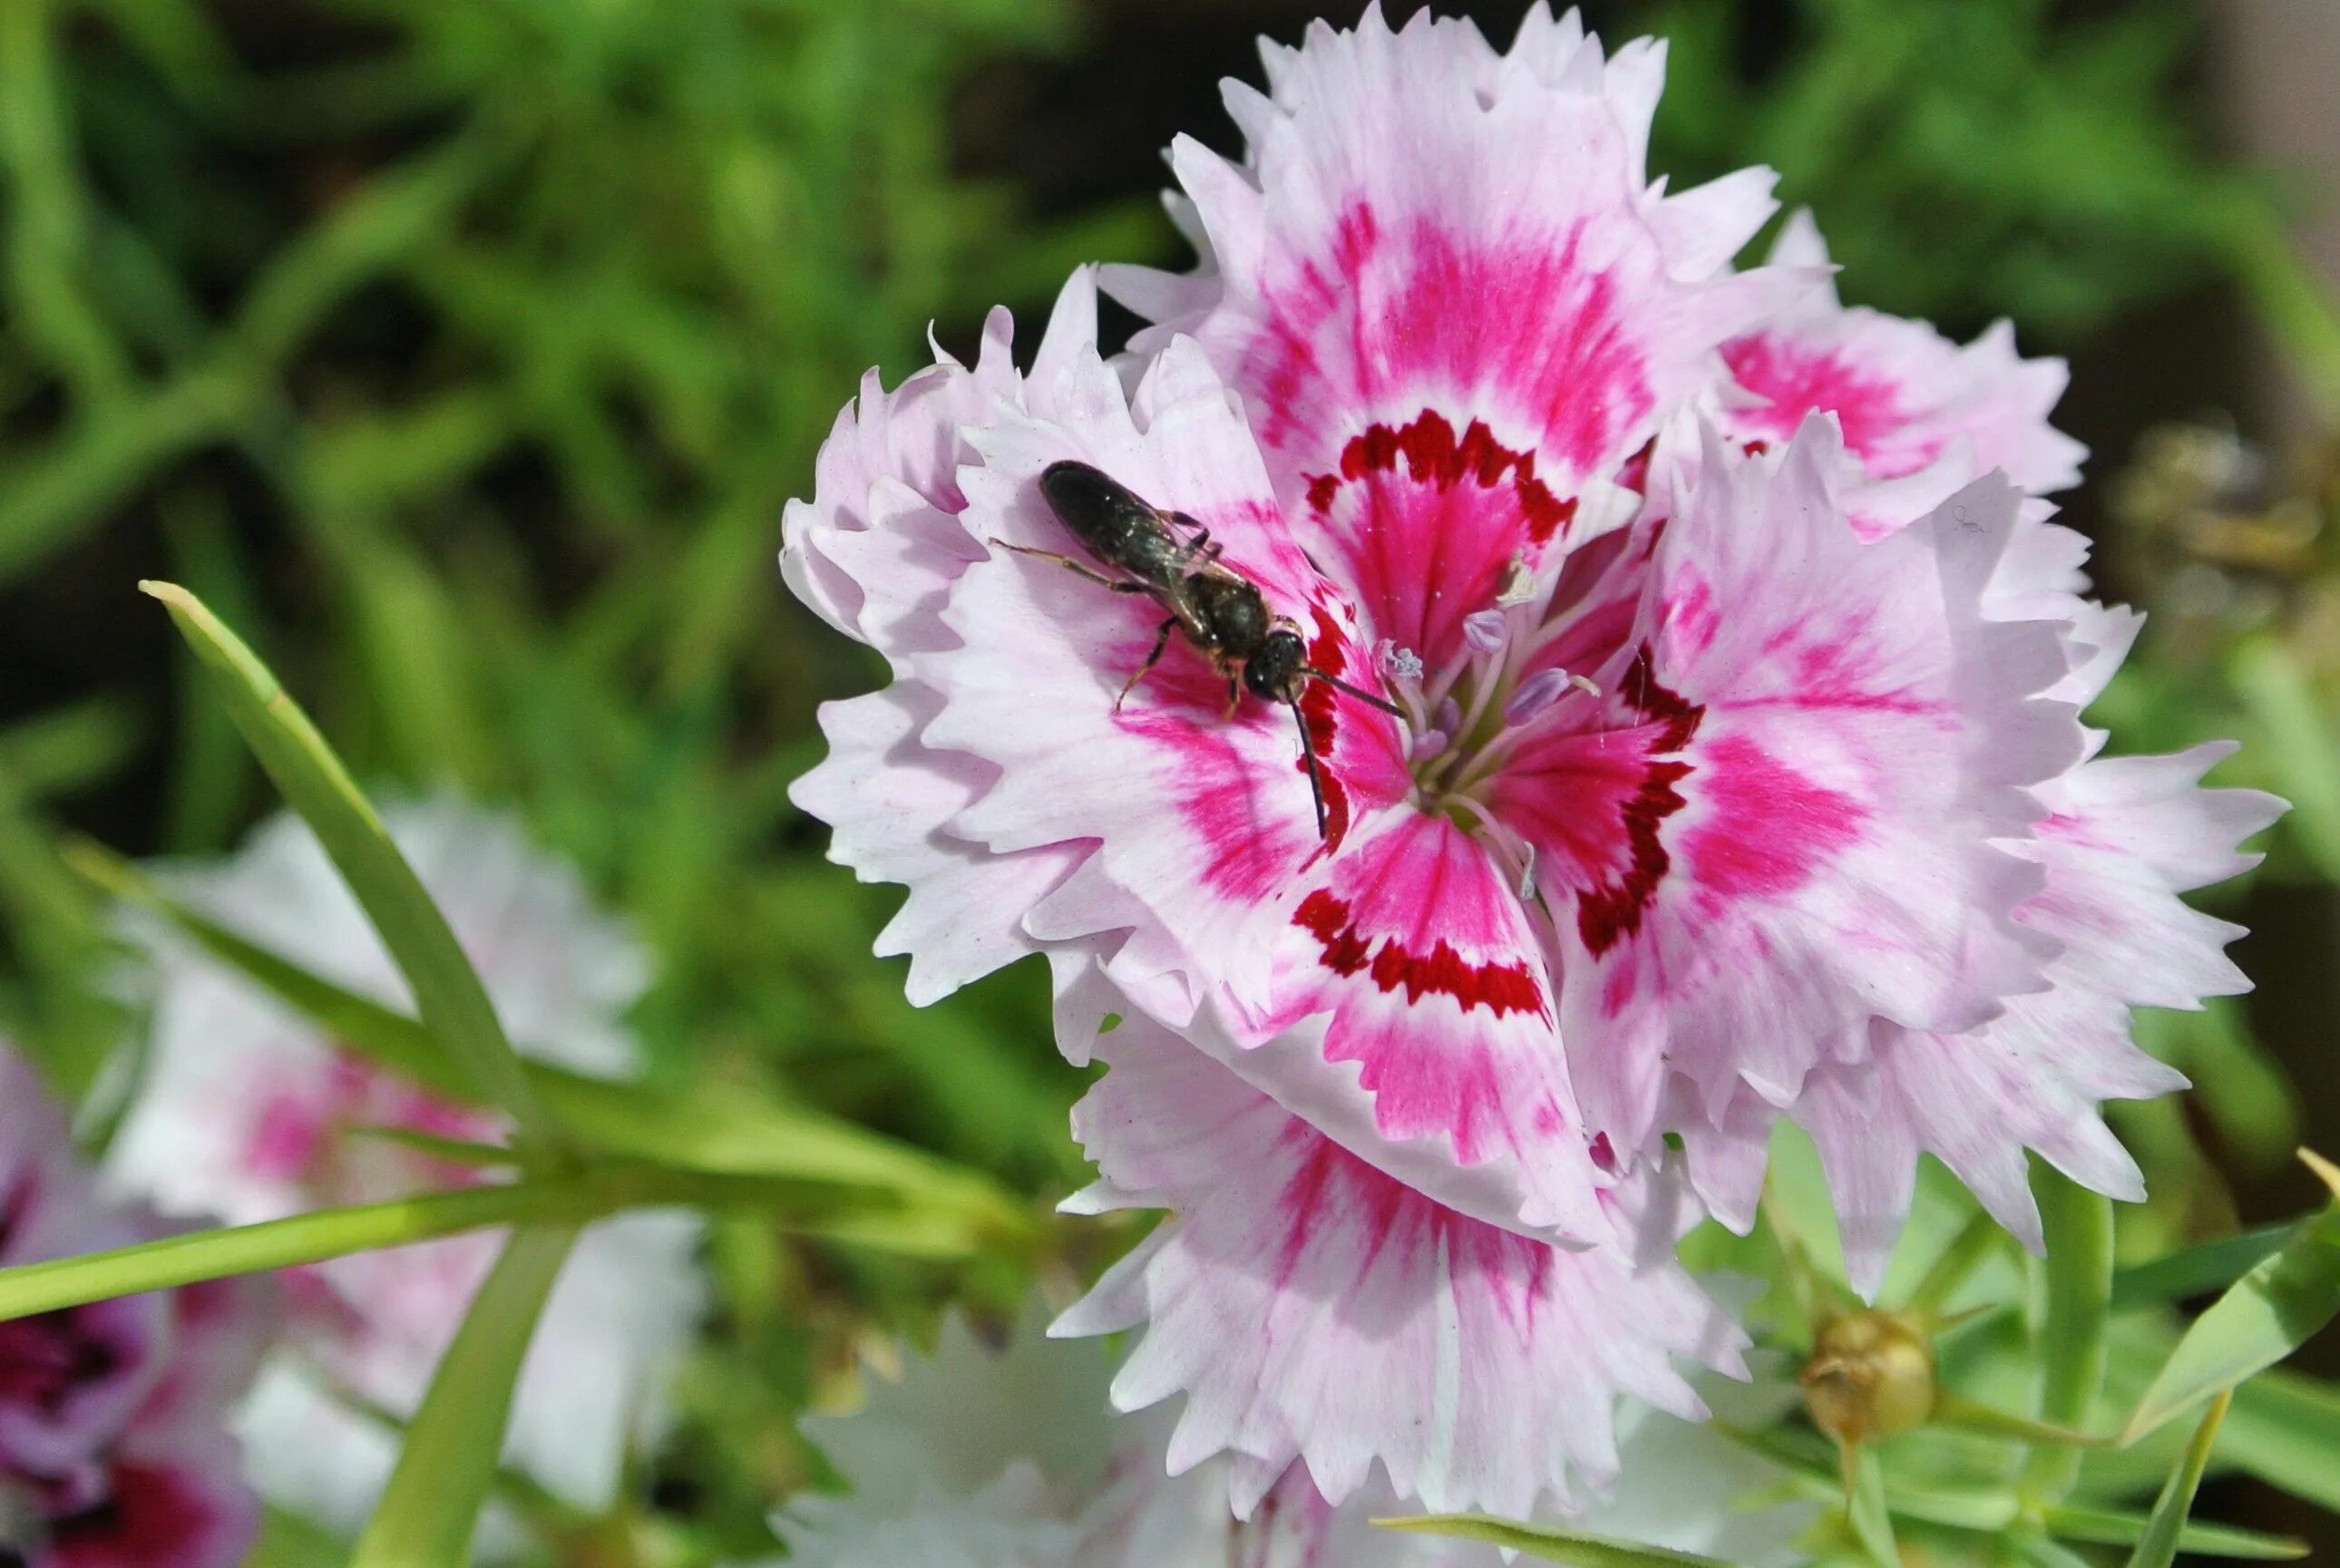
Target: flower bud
(1871, 1376)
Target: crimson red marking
(1611, 909)
(1320, 706)
(150, 1514)
(1433, 456)
(1635, 475)
(1501, 988)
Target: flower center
(1470, 716)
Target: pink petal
(1451, 300)
(1792, 826)
(1310, 1307)
(179, 1511)
(1903, 393)
(2127, 836)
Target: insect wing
(1111, 521)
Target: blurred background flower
(248, 1111)
(462, 353)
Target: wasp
(1169, 558)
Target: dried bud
(1871, 1376)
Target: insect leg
(1315, 775)
(1161, 641)
(1069, 564)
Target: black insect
(1171, 558)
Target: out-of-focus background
(461, 352)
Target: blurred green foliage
(461, 352)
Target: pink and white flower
(1010, 1458)
(248, 1110)
(114, 1445)
(1919, 413)
(1738, 774)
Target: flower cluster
(1009, 1458)
(1688, 740)
(114, 1445)
(249, 1110)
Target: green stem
(1955, 1265)
(2077, 1225)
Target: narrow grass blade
(1552, 1545)
(726, 1129)
(179, 1260)
(2199, 1269)
(1866, 1509)
(2159, 1547)
(453, 1004)
(431, 1506)
(2264, 1316)
(2112, 1527)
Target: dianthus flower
(247, 1109)
(1010, 1458)
(114, 1451)
(1735, 772)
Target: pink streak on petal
(1799, 380)
(1768, 827)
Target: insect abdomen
(1110, 520)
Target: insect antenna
(1315, 775)
(1337, 684)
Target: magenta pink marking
(1523, 323)
(1767, 828)
(1334, 1189)
(285, 1135)
(1799, 380)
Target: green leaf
(177, 1260)
(453, 1004)
(721, 1129)
(2285, 1429)
(2112, 1527)
(430, 1507)
(392, 1038)
(583, 1193)
(2160, 1546)
(1865, 1510)
(2267, 1315)
(1553, 1545)
(2199, 1269)
(2041, 1553)
(67, 748)
(2077, 1225)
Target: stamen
(1486, 630)
(1536, 693)
(1397, 664)
(1518, 585)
